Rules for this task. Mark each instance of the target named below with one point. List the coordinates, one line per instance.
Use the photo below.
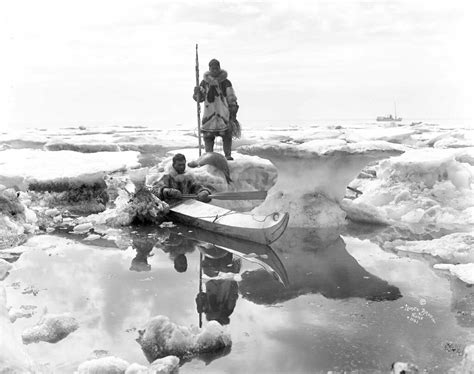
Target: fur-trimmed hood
(220, 78)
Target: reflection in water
(307, 334)
(177, 246)
(143, 244)
(316, 265)
(219, 299)
(302, 263)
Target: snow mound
(50, 328)
(161, 337)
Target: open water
(337, 303)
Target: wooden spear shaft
(197, 100)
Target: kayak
(259, 229)
(260, 254)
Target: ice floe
(103, 365)
(50, 328)
(160, 338)
(21, 167)
(313, 176)
(425, 189)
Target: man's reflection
(143, 242)
(177, 246)
(219, 299)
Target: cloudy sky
(132, 62)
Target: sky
(92, 62)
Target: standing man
(220, 108)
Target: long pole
(197, 101)
(200, 285)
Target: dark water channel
(312, 303)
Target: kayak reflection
(316, 264)
(220, 260)
(261, 254)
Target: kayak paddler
(220, 108)
(177, 182)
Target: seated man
(171, 186)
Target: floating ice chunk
(22, 312)
(103, 365)
(465, 272)
(50, 328)
(161, 338)
(167, 224)
(83, 228)
(454, 248)
(360, 212)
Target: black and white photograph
(236, 187)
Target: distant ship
(390, 118)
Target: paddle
(242, 195)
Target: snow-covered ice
(457, 248)
(20, 167)
(417, 179)
(313, 176)
(465, 272)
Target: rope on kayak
(230, 212)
